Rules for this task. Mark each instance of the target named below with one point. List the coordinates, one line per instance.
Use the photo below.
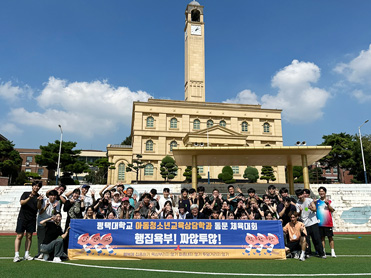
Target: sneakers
(57, 260)
(296, 255)
(16, 259)
(28, 258)
(324, 257)
(289, 256)
(45, 257)
(333, 255)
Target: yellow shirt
(294, 230)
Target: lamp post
(363, 156)
(59, 155)
(208, 167)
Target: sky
(81, 64)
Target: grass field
(354, 260)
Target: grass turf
(344, 245)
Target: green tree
(136, 166)
(227, 175)
(341, 154)
(267, 174)
(356, 167)
(251, 174)
(168, 169)
(98, 173)
(10, 160)
(297, 172)
(127, 141)
(188, 174)
(77, 168)
(49, 156)
(21, 178)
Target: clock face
(196, 30)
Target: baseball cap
(86, 186)
(125, 199)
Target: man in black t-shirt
(30, 203)
(52, 243)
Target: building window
(266, 127)
(173, 123)
(328, 171)
(200, 169)
(173, 144)
(222, 123)
(196, 124)
(40, 171)
(150, 122)
(236, 170)
(209, 123)
(334, 170)
(148, 170)
(244, 127)
(29, 159)
(121, 172)
(149, 145)
(28, 170)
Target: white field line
(221, 274)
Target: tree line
(345, 154)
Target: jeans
(55, 246)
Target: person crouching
(297, 234)
(52, 242)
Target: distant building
(29, 164)
(331, 175)
(2, 138)
(89, 156)
(160, 125)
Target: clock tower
(194, 45)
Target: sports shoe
(289, 256)
(16, 259)
(324, 257)
(296, 255)
(57, 260)
(28, 258)
(302, 258)
(45, 257)
(333, 255)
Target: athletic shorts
(326, 231)
(294, 245)
(23, 225)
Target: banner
(175, 239)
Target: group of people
(301, 219)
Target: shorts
(24, 225)
(294, 245)
(326, 231)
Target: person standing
(307, 211)
(324, 214)
(30, 202)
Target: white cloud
(244, 97)
(296, 96)
(9, 128)
(86, 108)
(361, 96)
(12, 93)
(359, 69)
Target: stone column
(304, 162)
(290, 177)
(194, 172)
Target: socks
(27, 253)
(332, 252)
(17, 254)
(302, 254)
